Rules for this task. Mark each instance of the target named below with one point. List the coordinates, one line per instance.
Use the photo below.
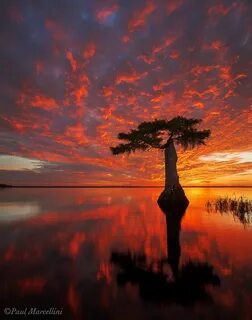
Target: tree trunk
(171, 175)
(173, 197)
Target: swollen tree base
(173, 199)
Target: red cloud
(40, 101)
(173, 5)
(225, 73)
(80, 93)
(174, 55)
(31, 122)
(198, 70)
(163, 84)
(139, 17)
(211, 90)
(219, 9)
(76, 84)
(107, 91)
(55, 30)
(165, 44)
(215, 45)
(43, 102)
(71, 60)
(130, 77)
(107, 112)
(90, 50)
(146, 59)
(103, 14)
(125, 39)
(76, 134)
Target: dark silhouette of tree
(189, 281)
(162, 134)
(188, 288)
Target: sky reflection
(67, 263)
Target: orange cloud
(198, 104)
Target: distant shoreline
(5, 186)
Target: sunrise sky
(75, 73)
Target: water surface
(57, 249)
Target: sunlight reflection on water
(14, 211)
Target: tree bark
(173, 197)
(171, 174)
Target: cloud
(90, 50)
(240, 157)
(130, 77)
(76, 133)
(140, 17)
(71, 82)
(219, 9)
(103, 14)
(19, 163)
(173, 5)
(71, 60)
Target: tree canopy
(159, 133)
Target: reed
(240, 208)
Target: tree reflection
(186, 285)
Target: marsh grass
(240, 208)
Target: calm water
(98, 254)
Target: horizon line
(116, 186)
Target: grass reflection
(240, 208)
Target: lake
(104, 253)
